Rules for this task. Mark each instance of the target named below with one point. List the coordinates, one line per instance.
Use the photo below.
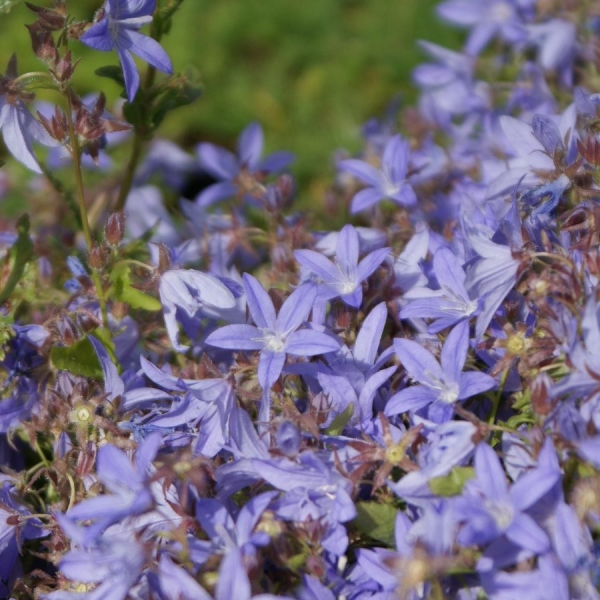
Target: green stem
(138, 142)
(76, 156)
(497, 398)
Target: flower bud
(115, 228)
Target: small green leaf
(20, 254)
(378, 521)
(80, 359)
(125, 292)
(176, 92)
(164, 15)
(340, 422)
(453, 483)
(7, 5)
(37, 81)
(522, 400)
(112, 72)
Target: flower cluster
(215, 400)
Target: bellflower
(273, 335)
(183, 292)
(388, 182)
(448, 305)
(112, 567)
(131, 494)
(485, 19)
(343, 276)
(117, 29)
(238, 173)
(489, 508)
(18, 126)
(441, 385)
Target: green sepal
(453, 483)
(112, 72)
(378, 521)
(7, 5)
(175, 92)
(79, 359)
(340, 422)
(125, 292)
(20, 254)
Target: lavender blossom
(275, 335)
(343, 277)
(388, 182)
(117, 29)
(441, 385)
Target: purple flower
(19, 128)
(275, 335)
(486, 19)
(441, 385)
(131, 494)
(117, 30)
(490, 509)
(343, 277)
(388, 182)
(16, 526)
(112, 567)
(448, 305)
(183, 292)
(238, 173)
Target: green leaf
(80, 359)
(112, 72)
(37, 81)
(125, 292)
(340, 422)
(453, 483)
(378, 521)
(20, 254)
(176, 92)
(7, 5)
(164, 15)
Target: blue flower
(343, 277)
(275, 335)
(441, 386)
(19, 128)
(242, 173)
(117, 30)
(388, 182)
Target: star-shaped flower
(117, 29)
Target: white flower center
(501, 12)
(274, 342)
(502, 514)
(389, 188)
(449, 393)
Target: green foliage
(20, 254)
(79, 359)
(340, 422)
(453, 483)
(7, 5)
(311, 72)
(378, 521)
(125, 292)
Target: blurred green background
(310, 71)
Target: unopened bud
(115, 228)
(98, 257)
(42, 43)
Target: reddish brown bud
(115, 228)
(98, 257)
(541, 402)
(50, 19)
(42, 43)
(64, 69)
